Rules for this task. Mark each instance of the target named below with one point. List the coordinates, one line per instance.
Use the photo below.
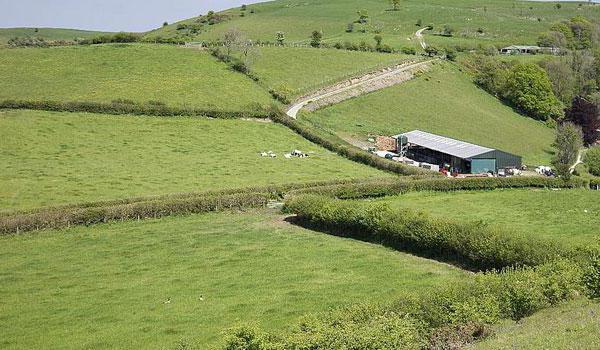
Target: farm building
(460, 157)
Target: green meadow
(302, 70)
(154, 283)
(570, 216)
(58, 158)
(444, 101)
(503, 22)
(178, 77)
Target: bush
(592, 160)
(591, 277)
(409, 50)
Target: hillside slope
(502, 21)
(446, 102)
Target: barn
(458, 156)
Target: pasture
(570, 216)
(444, 101)
(302, 70)
(174, 76)
(153, 283)
(501, 22)
(59, 158)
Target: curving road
(296, 107)
(419, 35)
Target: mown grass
(46, 33)
(444, 101)
(570, 326)
(58, 158)
(503, 22)
(175, 76)
(150, 284)
(570, 216)
(301, 70)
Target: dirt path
(359, 86)
(419, 35)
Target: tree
(280, 37)
(431, 51)
(378, 39)
(592, 160)
(586, 115)
(448, 31)
(363, 16)
(562, 77)
(316, 38)
(568, 143)
(529, 89)
(553, 39)
(165, 24)
(395, 4)
(231, 39)
(350, 28)
(450, 54)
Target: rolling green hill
(176, 76)
(61, 158)
(444, 101)
(502, 21)
(46, 33)
(151, 284)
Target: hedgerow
(390, 187)
(345, 150)
(121, 107)
(476, 245)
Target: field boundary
(244, 198)
(119, 107)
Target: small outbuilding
(528, 50)
(461, 157)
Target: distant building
(461, 157)
(528, 50)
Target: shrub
(591, 277)
(592, 160)
(409, 50)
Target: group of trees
(526, 86)
(578, 33)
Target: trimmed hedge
(346, 150)
(390, 187)
(120, 107)
(153, 206)
(53, 219)
(477, 246)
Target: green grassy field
(56, 158)
(503, 21)
(46, 33)
(446, 102)
(567, 215)
(570, 326)
(176, 76)
(303, 70)
(150, 284)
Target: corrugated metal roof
(445, 145)
(522, 47)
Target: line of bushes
(53, 219)
(151, 206)
(475, 246)
(390, 187)
(447, 318)
(120, 107)
(345, 150)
